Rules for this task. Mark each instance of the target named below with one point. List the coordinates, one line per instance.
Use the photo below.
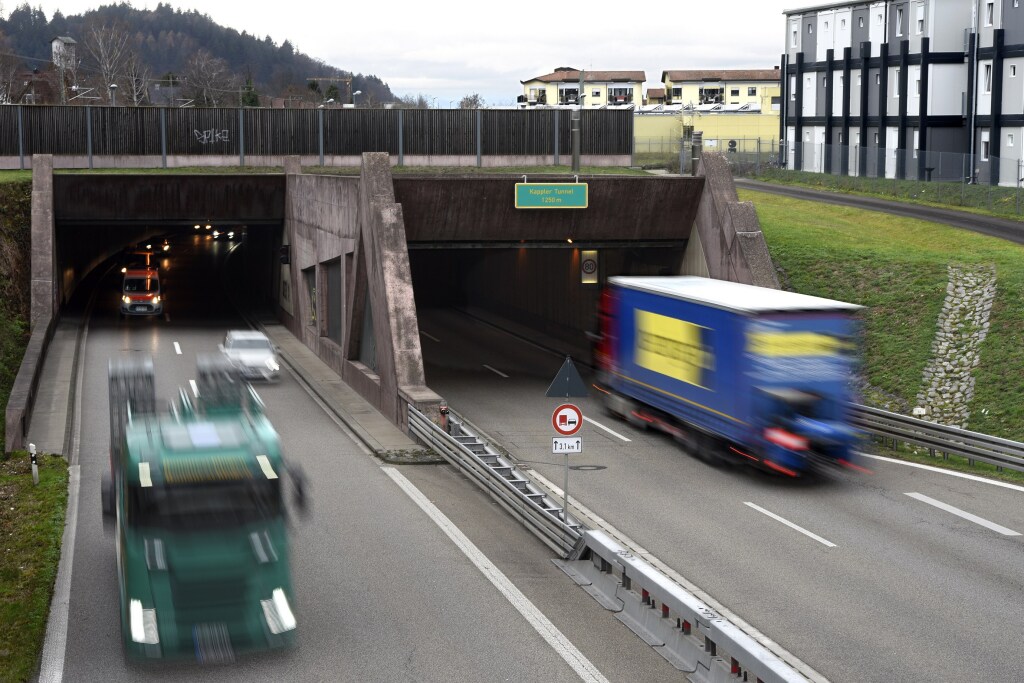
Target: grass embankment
(986, 200)
(897, 268)
(31, 525)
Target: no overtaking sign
(567, 419)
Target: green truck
(197, 502)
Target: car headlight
(125, 299)
(167, 247)
(278, 612)
(272, 365)
(156, 299)
(143, 623)
(124, 269)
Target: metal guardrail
(940, 438)
(686, 632)
(496, 474)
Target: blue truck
(735, 373)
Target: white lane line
(598, 424)
(177, 348)
(51, 667)
(195, 388)
(562, 645)
(429, 336)
(965, 515)
(790, 524)
(952, 473)
(497, 372)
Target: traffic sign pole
(566, 420)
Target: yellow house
(599, 88)
(724, 86)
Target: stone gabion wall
(948, 385)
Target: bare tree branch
(9, 66)
(209, 79)
(108, 47)
(136, 76)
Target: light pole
(450, 103)
(357, 92)
(435, 103)
(113, 94)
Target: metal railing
(940, 438)
(463, 448)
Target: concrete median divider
(678, 625)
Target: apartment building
(567, 85)
(755, 88)
(905, 89)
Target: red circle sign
(567, 419)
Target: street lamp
(450, 103)
(113, 94)
(435, 103)
(357, 92)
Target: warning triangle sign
(567, 383)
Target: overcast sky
(449, 49)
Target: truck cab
(140, 292)
(197, 499)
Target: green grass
(896, 267)
(981, 199)
(31, 525)
(15, 176)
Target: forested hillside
(176, 48)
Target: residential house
(655, 96)
(599, 88)
(758, 87)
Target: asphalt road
(986, 225)
(383, 592)
(876, 585)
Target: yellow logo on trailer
(793, 344)
(672, 347)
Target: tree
(473, 101)
(9, 65)
(332, 93)
(249, 98)
(207, 78)
(136, 77)
(107, 45)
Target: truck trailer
(197, 502)
(735, 373)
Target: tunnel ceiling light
(197, 226)
(208, 226)
(569, 240)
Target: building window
(793, 41)
(792, 88)
(859, 79)
(826, 25)
(751, 92)
(734, 92)
(917, 87)
(917, 142)
(878, 19)
(1013, 71)
(984, 145)
(920, 18)
(824, 81)
(1009, 139)
(988, 78)
(876, 139)
(595, 93)
(878, 79)
(810, 28)
(899, 21)
(842, 23)
(860, 22)
(896, 84)
(990, 10)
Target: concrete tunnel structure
(365, 250)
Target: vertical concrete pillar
(43, 289)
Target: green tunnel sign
(551, 196)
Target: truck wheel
(709, 450)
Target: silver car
(252, 353)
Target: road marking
(195, 387)
(497, 372)
(595, 521)
(965, 515)
(177, 348)
(598, 424)
(952, 473)
(430, 336)
(548, 631)
(790, 524)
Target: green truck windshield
(205, 506)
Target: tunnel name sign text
(551, 196)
